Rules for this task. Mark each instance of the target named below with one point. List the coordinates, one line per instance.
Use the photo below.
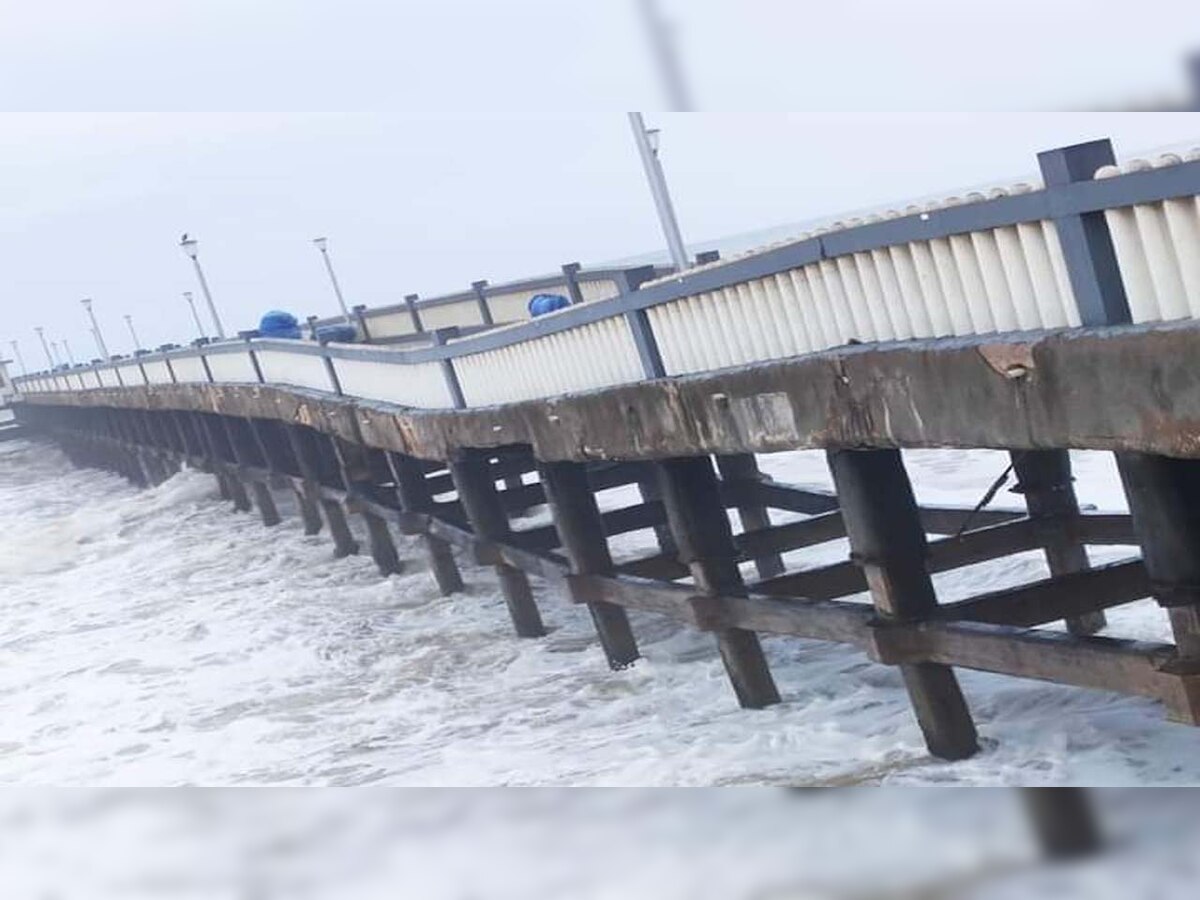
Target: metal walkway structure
(1042, 318)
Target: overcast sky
(93, 205)
(432, 187)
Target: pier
(1040, 319)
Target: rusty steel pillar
(366, 480)
(888, 543)
(700, 529)
(217, 442)
(1063, 821)
(476, 488)
(412, 489)
(1164, 500)
(741, 470)
(581, 533)
(1044, 479)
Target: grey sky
(587, 54)
(93, 205)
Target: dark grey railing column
(485, 312)
(360, 316)
(438, 337)
(629, 281)
(410, 300)
(1086, 243)
(571, 274)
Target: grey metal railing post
(485, 313)
(410, 300)
(1086, 243)
(571, 274)
(628, 281)
(246, 336)
(360, 315)
(439, 337)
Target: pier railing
(1024, 258)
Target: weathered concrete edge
(1129, 388)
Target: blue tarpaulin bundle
(337, 334)
(540, 304)
(279, 324)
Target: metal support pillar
(1063, 820)
(692, 497)
(888, 542)
(581, 533)
(1164, 500)
(743, 468)
(481, 501)
(1044, 478)
(412, 489)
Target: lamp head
(189, 246)
(321, 243)
(87, 303)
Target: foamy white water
(155, 637)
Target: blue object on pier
(337, 334)
(540, 304)
(279, 324)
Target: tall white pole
(658, 187)
(337, 288)
(67, 348)
(187, 295)
(54, 354)
(188, 245)
(100, 345)
(212, 307)
(137, 345)
(17, 354)
(41, 333)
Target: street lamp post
(41, 333)
(67, 348)
(55, 356)
(87, 304)
(647, 144)
(137, 345)
(191, 301)
(189, 247)
(322, 244)
(17, 354)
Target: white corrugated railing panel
(131, 374)
(513, 306)
(297, 369)
(418, 384)
(157, 372)
(464, 312)
(1158, 248)
(1000, 279)
(596, 355)
(234, 367)
(108, 377)
(395, 323)
(189, 369)
(598, 289)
